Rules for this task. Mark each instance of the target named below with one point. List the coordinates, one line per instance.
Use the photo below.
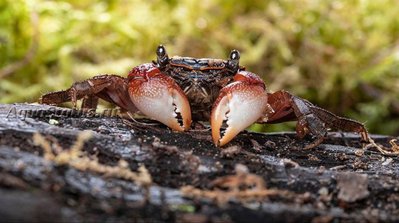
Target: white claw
(160, 99)
(242, 106)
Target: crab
(179, 90)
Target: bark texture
(257, 177)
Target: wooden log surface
(332, 182)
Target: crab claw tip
(182, 108)
(238, 107)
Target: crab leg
(239, 104)
(310, 118)
(159, 97)
(111, 88)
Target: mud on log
(330, 182)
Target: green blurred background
(341, 55)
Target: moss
(325, 52)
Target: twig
(75, 158)
(383, 150)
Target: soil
(334, 182)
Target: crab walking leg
(159, 97)
(111, 88)
(239, 104)
(310, 118)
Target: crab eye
(234, 60)
(162, 56)
(161, 51)
(234, 55)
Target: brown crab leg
(238, 105)
(310, 118)
(158, 96)
(111, 88)
(89, 102)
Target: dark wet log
(328, 182)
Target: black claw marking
(162, 56)
(234, 61)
